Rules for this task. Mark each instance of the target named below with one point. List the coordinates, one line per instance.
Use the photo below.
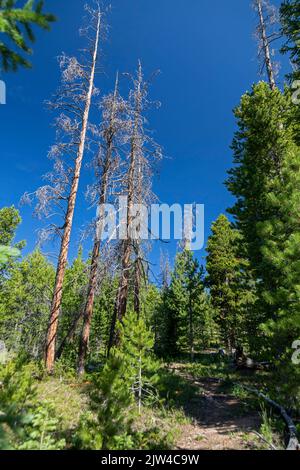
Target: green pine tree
(280, 235)
(231, 294)
(16, 24)
(137, 343)
(25, 299)
(185, 306)
(290, 22)
(9, 221)
(74, 292)
(266, 183)
(261, 146)
(111, 399)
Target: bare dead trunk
(88, 312)
(137, 285)
(89, 307)
(191, 331)
(63, 256)
(138, 267)
(122, 295)
(266, 46)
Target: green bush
(25, 423)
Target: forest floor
(218, 420)
(221, 414)
(201, 408)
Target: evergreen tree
(126, 381)
(6, 254)
(264, 148)
(75, 287)
(25, 299)
(290, 22)
(9, 221)
(184, 305)
(280, 235)
(229, 289)
(136, 348)
(111, 399)
(16, 24)
(165, 326)
(259, 150)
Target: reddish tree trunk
(63, 256)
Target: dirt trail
(218, 421)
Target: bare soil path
(218, 421)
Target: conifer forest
(149, 289)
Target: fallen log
(244, 362)
(293, 443)
(272, 447)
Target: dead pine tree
(72, 103)
(148, 152)
(266, 33)
(107, 165)
(143, 151)
(138, 262)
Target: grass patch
(69, 400)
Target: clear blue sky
(207, 56)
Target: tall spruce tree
(136, 349)
(259, 150)
(184, 305)
(262, 148)
(280, 248)
(25, 299)
(230, 291)
(290, 21)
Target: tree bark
(63, 255)
(137, 284)
(89, 307)
(266, 46)
(122, 295)
(109, 135)
(191, 330)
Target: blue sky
(207, 57)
